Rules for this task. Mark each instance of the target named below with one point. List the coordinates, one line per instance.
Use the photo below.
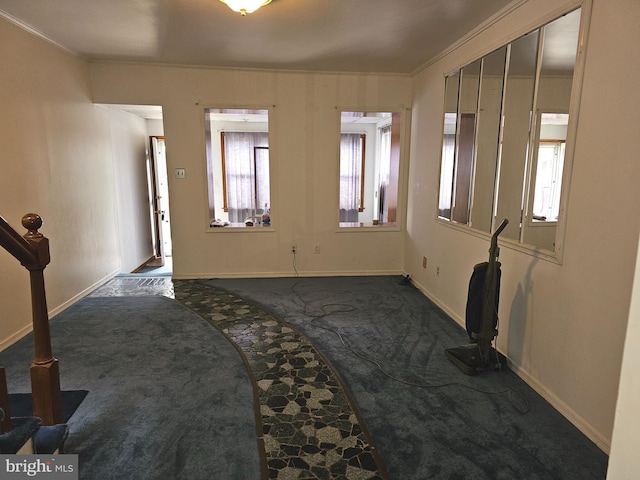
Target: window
(237, 146)
(369, 168)
(448, 161)
(548, 180)
(352, 149)
(245, 174)
(548, 165)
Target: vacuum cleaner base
(467, 359)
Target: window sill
(367, 227)
(543, 223)
(241, 227)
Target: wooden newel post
(45, 376)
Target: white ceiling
(396, 36)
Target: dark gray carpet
(430, 421)
(169, 396)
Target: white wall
(56, 161)
(130, 146)
(562, 326)
(304, 157)
(624, 462)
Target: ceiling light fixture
(245, 6)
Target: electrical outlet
(316, 248)
(294, 249)
(424, 262)
(437, 271)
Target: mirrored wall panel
(507, 118)
(487, 139)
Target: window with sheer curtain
(351, 175)
(246, 174)
(369, 166)
(238, 167)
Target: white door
(161, 201)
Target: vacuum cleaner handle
(499, 230)
(490, 304)
(493, 250)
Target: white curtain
(384, 165)
(350, 172)
(247, 174)
(446, 175)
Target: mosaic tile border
(307, 422)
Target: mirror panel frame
(473, 226)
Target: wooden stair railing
(32, 251)
(5, 423)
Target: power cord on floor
(295, 269)
(347, 308)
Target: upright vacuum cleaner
(482, 316)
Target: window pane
(546, 200)
(447, 165)
(468, 106)
(238, 166)
(263, 199)
(369, 168)
(487, 139)
(350, 175)
(517, 112)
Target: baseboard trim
(23, 332)
(354, 273)
(459, 320)
(27, 329)
(141, 266)
(580, 423)
(76, 298)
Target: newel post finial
(39, 243)
(32, 222)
